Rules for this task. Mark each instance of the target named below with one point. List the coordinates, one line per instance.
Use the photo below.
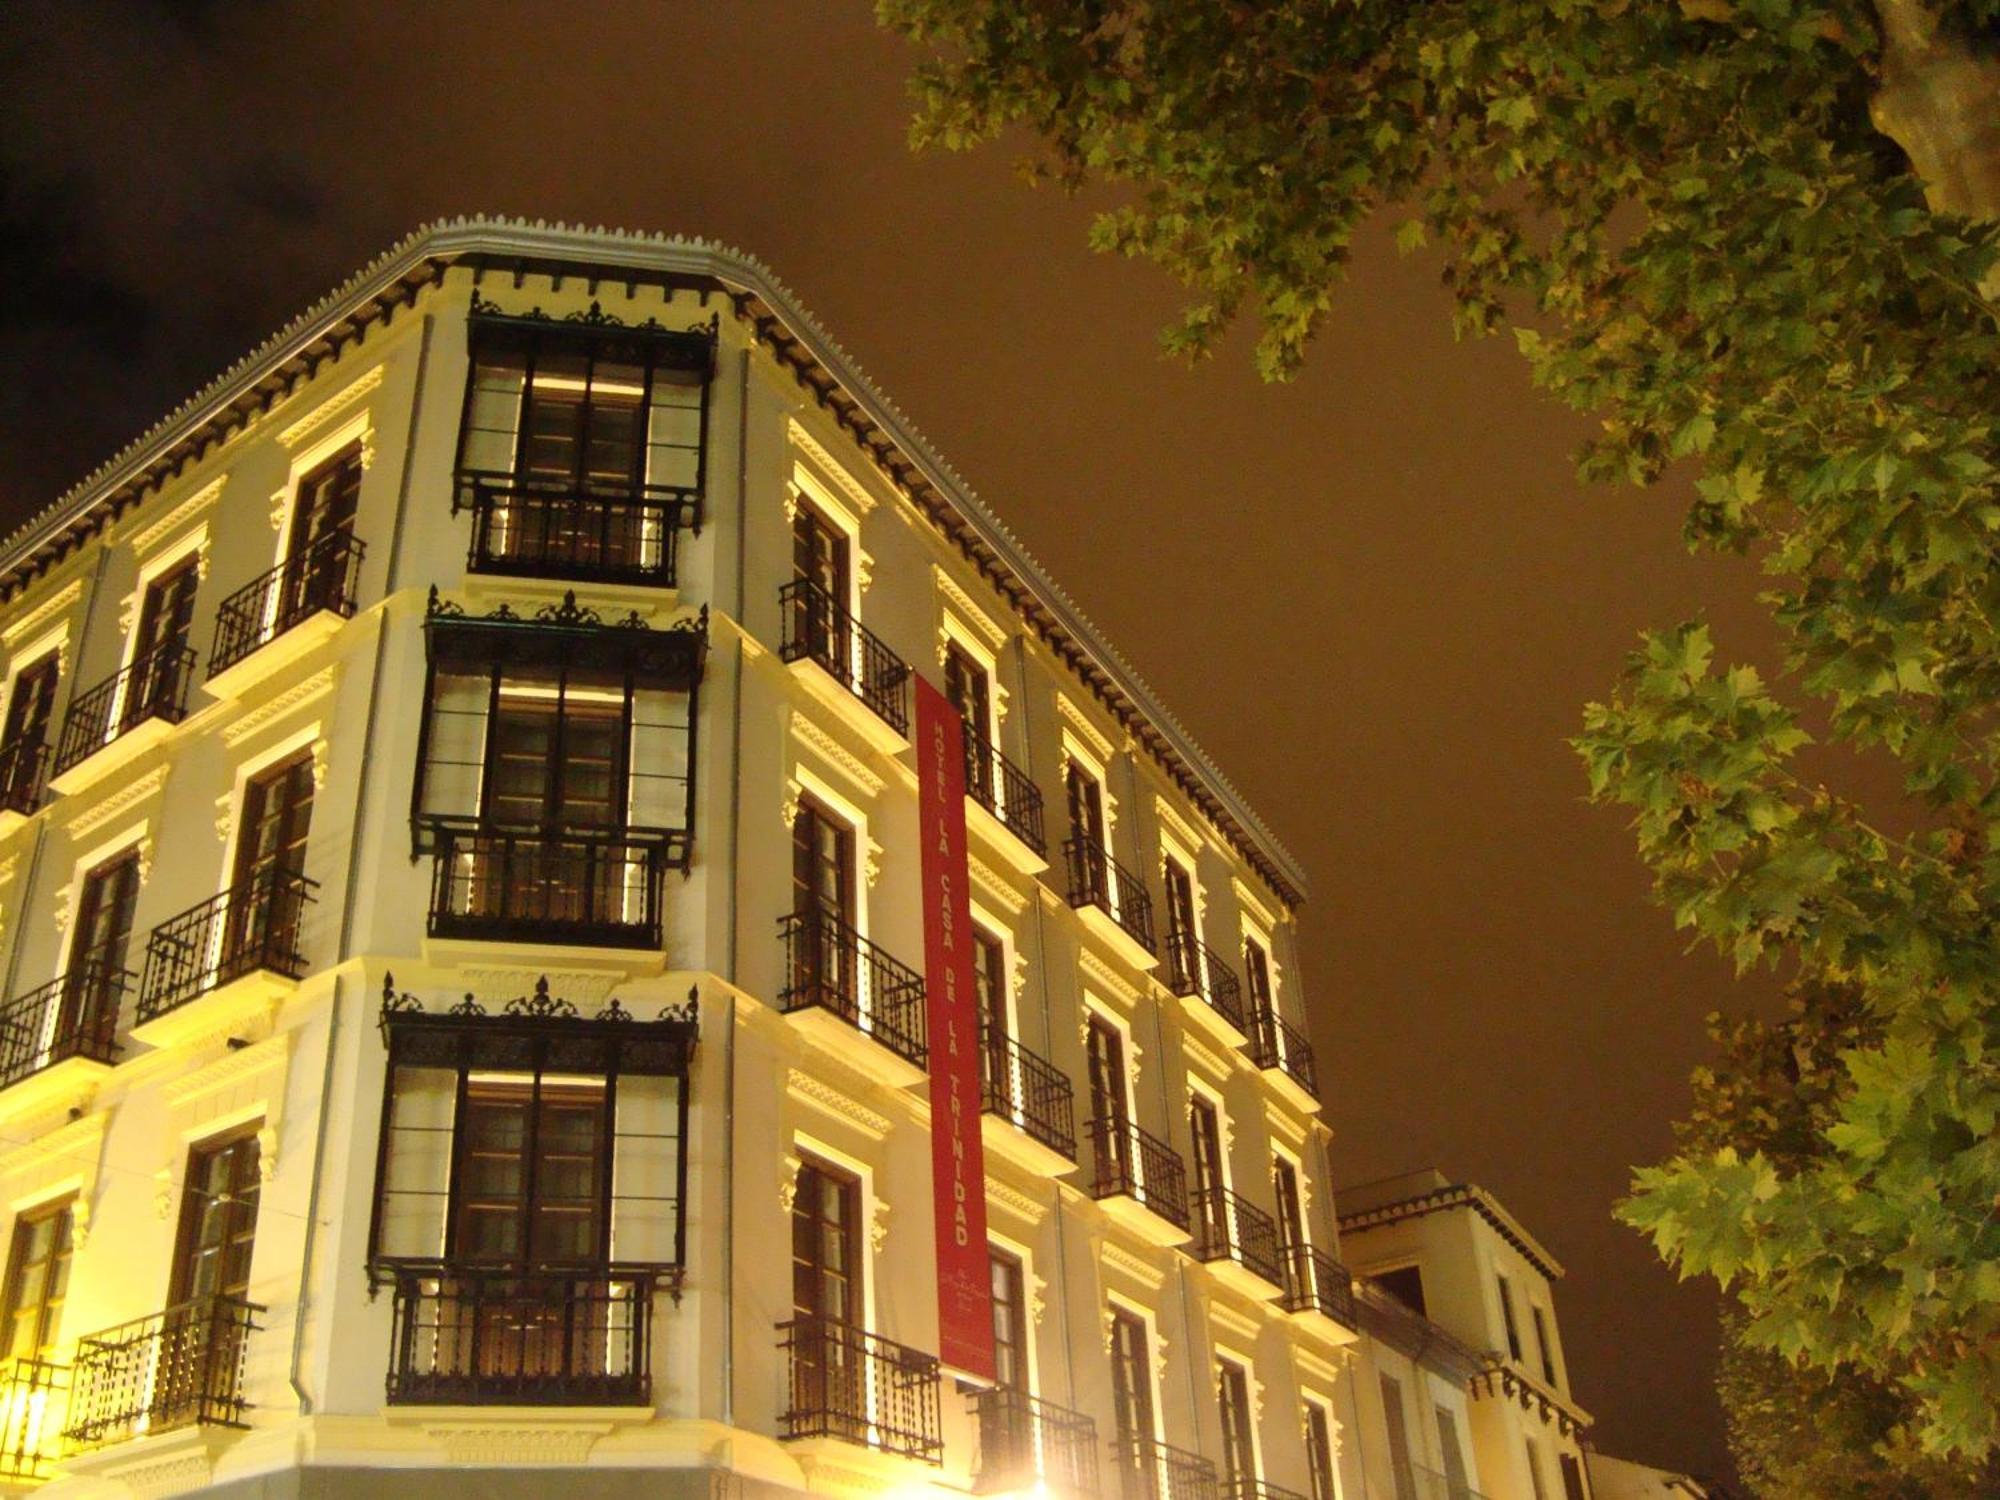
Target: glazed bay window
(556, 776)
(583, 444)
(529, 1198)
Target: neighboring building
(461, 1010)
(1622, 1479)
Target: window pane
(416, 1174)
(494, 413)
(645, 1166)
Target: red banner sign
(958, 1157)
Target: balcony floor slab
(1152, 1227)
(243, 1007)
(834, 695)
(1211, 1022)
(268, 660)
(1104, 927)
(1011, 1142)
(106, 758)
(1241, 1279)
(67, 1082)
(1002, 840)
(833, 1034)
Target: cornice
(269, 710)
(1134, 1267)
(990, 882)
(983, 625)
(150, 536)
(829, 467)
(836, 755)
(1099, 742)
(1095, 967)
(22, 626)
(831, 1099)
(340, 401)
(1456, 1195)
(121, 800)
(1005, 1195)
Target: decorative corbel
(144, 849)
(872, 864)
(790, 807)
(163, 1192)
(368, 447)
(1038, 1302)
(864, 568)
(267, 1150)
(1159, 1357)
(79, 1220)
(322, 750)
(1017, 975)
(64, 908)
(788, 1182)
(225, 815)
(791, 501)
(878, 1223)
(281, 505)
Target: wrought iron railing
(23, 767)
(251, 927)
(322, 577)
(844, 1382)
(155, 686)
(1028, 1445)
(1276, 1043)
(831, 967)
(473, 1335)
(75, 1015)
(1247, 1487)
(34, 1393)
(819, 628)
(1316, 1282)
(1228, 1226)
(1381, 1315)
(1149, 1469)
(1130, 1162)
(1433, 1484)
(1096, 879)
(562, 529)
(1004, 790)
(603, 887)
(1030, 1091)
(178, 1368)
(1194, 968)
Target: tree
(1757, 235)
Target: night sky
(1377, 596)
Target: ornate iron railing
(178, 1368)
(155, 686)
(1149, 1469)
(819, 628)
(1030, 1091)
(1228, 1226)
(472, 1335)
(1276, 1043)
(1316, 1282)
(1245, 1487)
(844, 1382)
(34, 1393)
(23, 767)
(831, 967)
(323, 577)
(1194, 968)
(75, 1015)
(1129, 1161)
(1004, 790)
(1096, 879)
(604, 887)
(1025, 1442)
(588, 532)
(1383, 1316)
(251, 927)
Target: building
(464, 1016)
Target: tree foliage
(1757, 235)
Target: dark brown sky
(1377, 596)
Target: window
(555, 778)
(1396, 1421)
(218, 1225)
(1239, 1444)
(100, 948)
(821, 628)
(1507, 1318)
(1456, 1487)
(24, 735)
(582, 449)
(1131, 1385)
(532, 1140)
(1106, 1048)
(1010, 1322)
(1572, 1473)
(317, 547)
(1406, 1285)
(989, 984)
(37, 1281)
(1086, 809)
(1535, 1468)
(1205, 1134)
(160, 645)
(269, 890)
(1257, 975)
(1291, 1207)
(1319, 1452)
(1544, 1346)
(966, 685)
(828, 1362)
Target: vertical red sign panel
(958, 1158)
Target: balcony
(225, 962)
(63, 1035)
(854, 999)
(1320, 1293)
(1237, 1241)
(123, 717)
(1382, 1316)
(1027, 1445)
(1247, 1488)
(1151, 1470)
(843, 663)
(1197, 974)
(583, 533)
(481, 1335)
(299, 603)
(33, 1396)
(23, 766)
(1282, 1051)
(583, 887)
(1030, 1105)
(1007, 806)
(1431, 1484)
(1113, 902)
(851, 1386)
(178, 1368)
(1140, 1181)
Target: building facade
(463, 1019)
